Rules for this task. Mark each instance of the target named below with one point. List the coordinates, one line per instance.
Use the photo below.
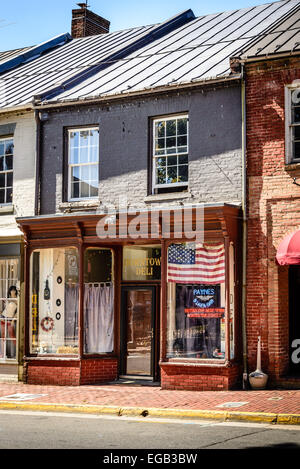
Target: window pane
(84, 155)
(142, 263)
(170, 142)
(9, 179)
(160, 143)
(196, 302)
(2, 164)
(84, 137)
(171, 128)
(94, 189)
(296, 114)
(84, 190)
(161, 175)
(182, 141)
(297, 132)
(98, 301)
(94, 154)
(161, 161)
(9, 162)
(183, 173)
(181, 126)
(172, 160)
(2, 196)
(54, 301)
(9, 308)
(172, 175)
(182, 159)
(2, 147)
(74, 139)
(94, 173)
(297, 150)
(9, 193)
(2, 180)
(85, 173)
(75, 190)
(75, 174)
(94, 137)
(160, 129)
(74, 155)
(9, 147)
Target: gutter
(37, 163)
(139, 93)
(244, 242)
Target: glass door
(138, 324)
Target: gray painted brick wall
(215, 172)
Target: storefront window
(196, 301)
(98, 301)
(54, 301)
(142, 263)
(9, 281)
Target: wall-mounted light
(44, 116)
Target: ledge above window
(167, 196)
(80, 205)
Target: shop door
(138, 354)
(294, 323)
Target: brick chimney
(86, 23)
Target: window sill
(81, 205)
(292, 167)
(5, 209)
(170, 196)
(54, 358)
(196, 363)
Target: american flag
(201, 263)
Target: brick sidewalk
(268, 401)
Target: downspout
(37, 162)
(244, 242)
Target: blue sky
(28, 22)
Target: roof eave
(143, 92)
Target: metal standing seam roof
(282, 39)
(67, 61)
(10, 54)
(197, 51)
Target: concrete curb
(225, 416)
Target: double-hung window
(83, 163)
(6, 170)
(293, 125)
(170, 152)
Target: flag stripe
(203, 264)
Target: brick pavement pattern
(267, 401)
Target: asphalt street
(38, 430)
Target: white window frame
(289, 126)
(8, 171)
(154, 156)
(71, 165)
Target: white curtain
(99, 318)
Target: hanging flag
(201, 264)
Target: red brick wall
(199, 378)
(273, 212)
(98, 370)
(58, 373)
(71, 373)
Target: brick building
(272, 76)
